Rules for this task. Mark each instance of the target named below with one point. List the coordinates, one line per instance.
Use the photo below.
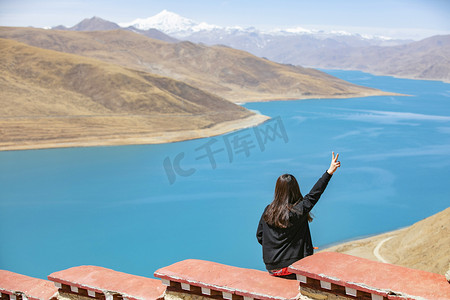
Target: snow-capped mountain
(170, 23)
(181, 27)
(333, 49)
(296, 45)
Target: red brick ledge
(354, 277)
(21, 287)
(216, 280)
(102, 283)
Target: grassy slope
(423, 245)
(425, 59)
(48, 96)
(233, 74)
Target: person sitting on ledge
(283, 230)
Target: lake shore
(298, 97)
(422, 246)
(140, 135)
(139, 139)
(365, 247)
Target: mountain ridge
(92, 24)
(232, 74)
(422, 245)
(169, 23)
(99, 24)
(53, 99)
(179, 26)
(312, 48)
(426, 59)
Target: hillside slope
(51, 99)
(425, 59)
(233, 74)
(98, 24)
(422, 246)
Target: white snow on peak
(376, 37)
(204, 26)
(178, 26)
(295, 30)
(341, 32)
(169, 23)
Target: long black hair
(287, 194)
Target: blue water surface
(138, 208)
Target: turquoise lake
(138, 208)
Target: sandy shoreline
(113, 138)
(422, 245)
(365, 247)
(151, 138)
(295, 97)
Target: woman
(283, 230)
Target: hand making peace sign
(334, 164)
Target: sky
(409, 19)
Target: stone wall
(325, 275)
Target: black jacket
(284, 246)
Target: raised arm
(313, 196)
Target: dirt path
(376, 251)
(367, 248)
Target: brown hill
(99, 24)
(233, 74)
(425, 59)
(94, 23)
(424, 245)
(52, 99)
